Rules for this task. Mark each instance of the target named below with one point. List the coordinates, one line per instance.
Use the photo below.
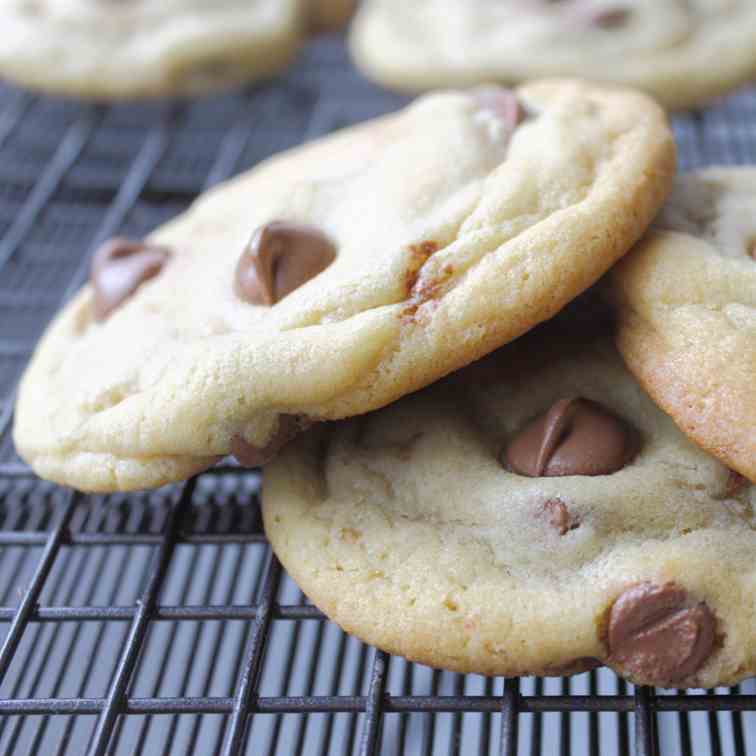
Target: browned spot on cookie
(350, 535)
(431, 288)
(556, 513)
(423, 290)
(418, 254)
(659, 635)
(736, 483)
(408, 314)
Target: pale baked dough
(405, 529)
(681, 51)
(113, 49)
(687, 304)
(512, 230)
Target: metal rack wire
(162, 623)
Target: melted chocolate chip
(658, 635)
(575, 437)
(119, 268)
(289, 426)
(280, 258)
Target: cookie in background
(116, 50)
(683, 53)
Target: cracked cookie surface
(439, 234)
(405, 527)
(687, 304)
(137, 48)
(680, 51)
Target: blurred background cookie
(108, 50)
(683, 52)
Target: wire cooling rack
(162, 623)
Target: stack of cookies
(474, 457)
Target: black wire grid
(162, 623)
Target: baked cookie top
(338, 277)
(680, 51)
(687, 312)
(535, 513)
(101, 48)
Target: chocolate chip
(119, 268)
(280, 258)
(658, 635)
(289, 426)
(557, 514)
(575, 437)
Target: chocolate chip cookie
(337, 278)
(106, 49)
(683, 52)
(687, 308)
(535, 513)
